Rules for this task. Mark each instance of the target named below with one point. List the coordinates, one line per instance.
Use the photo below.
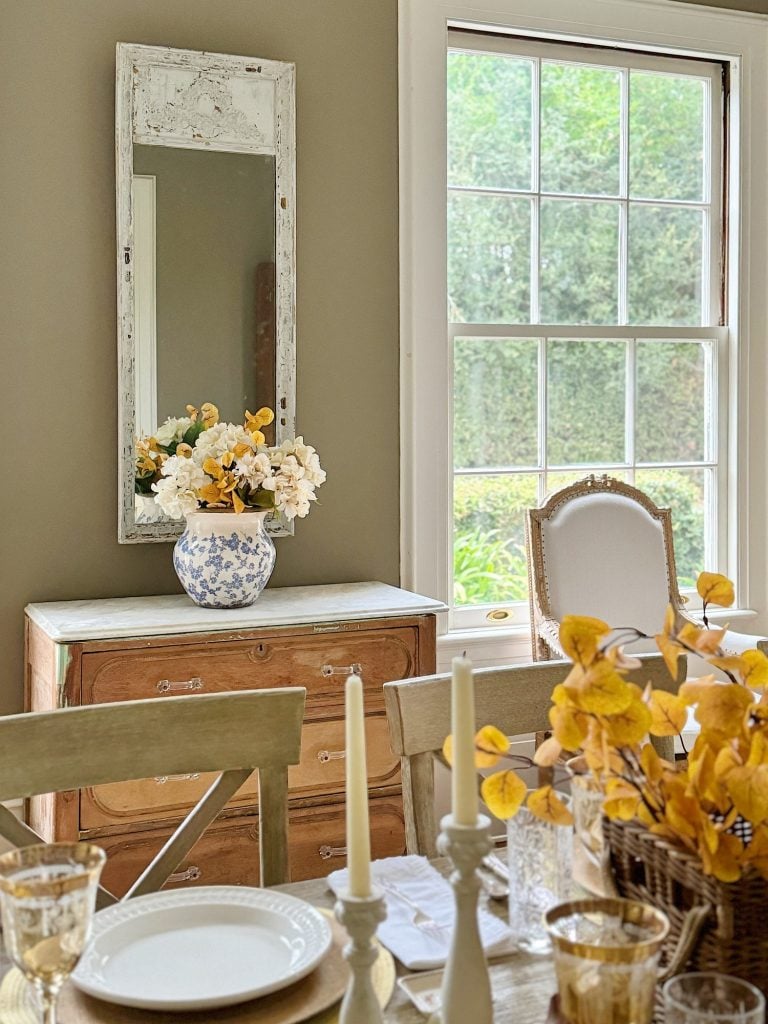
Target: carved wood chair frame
(232, 733)
(544, 626)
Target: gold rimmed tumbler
(606, 959)
(47, 899)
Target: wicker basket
(715, 926)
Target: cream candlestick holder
(466, 989)
(360, 916)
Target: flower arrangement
(715, 803)
(195, 462)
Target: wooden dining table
(522, 984)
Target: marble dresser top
(70, 621)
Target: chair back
(516, 699)
(231, 733)
(600, 547)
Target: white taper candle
(464, 774)
(358, 832)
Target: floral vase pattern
(224, 560)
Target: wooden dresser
(89, 652)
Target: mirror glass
(209, 305)
(205, 249)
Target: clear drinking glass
(47, 898)
(606, 959)
(539, 857)
(708, 998)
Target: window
(584, 283)
(623, 327)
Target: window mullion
(536, 200)
(629, 417)
(624, 204)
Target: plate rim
(116, 915)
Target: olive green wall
(57, 289)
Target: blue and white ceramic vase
(224, 559)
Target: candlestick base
(360, 916)
(466, 990)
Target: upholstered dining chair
(516, 699)
(230, 733)
(601, 547)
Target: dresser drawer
(318, 661)
(228, 853)
(320, 772)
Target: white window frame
(664, 27)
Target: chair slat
(273, 831)
(157, 873)
(73, 748)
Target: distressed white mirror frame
(215, 106)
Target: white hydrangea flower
(173, 430)
(218, 439)
(255, 469)
(175, 492)
(293, 489)
(306, 456)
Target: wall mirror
(205, 162)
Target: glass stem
(49, 997)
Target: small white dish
(423, 990)
(196, 949)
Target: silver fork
(420, 920)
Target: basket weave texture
(734, 937)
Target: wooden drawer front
(322, 769)
(298, 660)
(228, 853)
(320, 772)
(317, 844)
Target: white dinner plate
(195, 949)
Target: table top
(522, 984)
(112, 618)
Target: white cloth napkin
(410, 882)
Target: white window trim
(663, 25)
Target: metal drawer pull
(324, 756)
(326, 852)
(190, 875)
(355, 669)
(166, 685)
(162, 779)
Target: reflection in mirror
(209, 304)
(205, 248)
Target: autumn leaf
(567, 727)
(598, 689)
(722, 708)
(725, 862)
(651, 763)
(756, 854)
(579, 636)
(544, 803)
(621, 800)
(713, 588)
(668, 713)
(490, 745)
(548, 752)
(503, 793)
(691, 692)
(630, 726)
(705, 641)
(755, 674)
(448, 749)
(748, 788)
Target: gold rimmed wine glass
(47, 898)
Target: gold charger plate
(314, 998)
